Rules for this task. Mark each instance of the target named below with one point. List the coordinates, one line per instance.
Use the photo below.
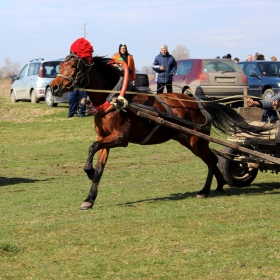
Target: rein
(83, 74)
(174, 98)
(85, 69)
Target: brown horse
(116, 128)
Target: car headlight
(278, 84)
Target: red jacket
(130, 64)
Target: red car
(207, 78)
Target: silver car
(33, 80)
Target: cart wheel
(236, 174)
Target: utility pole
(85, 30)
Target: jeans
(160, 87)
(74, 99)
(269, 115)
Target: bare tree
(180, 52)
(10, 68)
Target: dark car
(263, 77)
(207, 78)
(141, 82)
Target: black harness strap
(164, 105)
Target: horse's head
(73, 73)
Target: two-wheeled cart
(243, 154)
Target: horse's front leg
(103, 146)
(111, 141)
(95, 178)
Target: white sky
(32, 29)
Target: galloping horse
(116, 128)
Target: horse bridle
(83, 74)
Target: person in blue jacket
(165, 67)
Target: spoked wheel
(236, 174)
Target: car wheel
(268, 94)
(49, 99)
(13, 97)
(236, 173)
(34, 98)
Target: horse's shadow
(5, 181)
(255, 189)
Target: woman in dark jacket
(165, 67)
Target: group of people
(259, 56)
(164, 65)
(249, 57)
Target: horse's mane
(108, 72)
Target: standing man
(165, 67)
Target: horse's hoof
(86, 205)
(201, 195)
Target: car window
(209, 66)
(51, 68)
(184, 67)
(32, 69)
(23, 71)
(250, 68)
(220, 66)
(37, 68)
(270, 68)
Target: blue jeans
(74, 98)
(269, 115)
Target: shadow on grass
(255, 189)
(4, 181)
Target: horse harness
(83, 76)
(168, 115)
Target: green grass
(146, 222)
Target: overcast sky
(32, 29)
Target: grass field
(146, 222)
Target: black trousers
(160, 87)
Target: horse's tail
(225, 118)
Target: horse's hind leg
(220, 180)
(212, 170)
(201, 149)
(95, 176)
